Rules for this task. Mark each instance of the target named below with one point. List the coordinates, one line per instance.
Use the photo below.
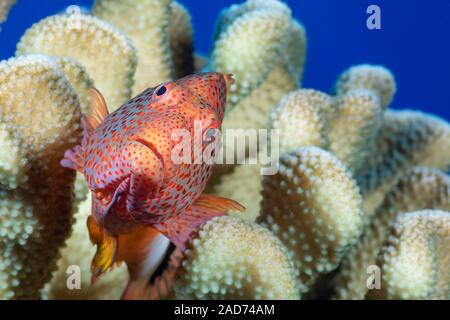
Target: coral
(78, 78)
(40, 116)
(354, 125)
(107, 54)
(5, 6)
(264, 26)
(374, 78)
(244, 186)
(421, 188)
(79, 252)
(146, 22)
(236, 259)
(301, 114)
(415, 258)
(313, 205)
(406, 139)
(181, 40)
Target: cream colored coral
(5, 6)
(301, 118)
(79, 252)
(415, 260)
(294, 55)
(105, 52)
(377, 79)
(181, 40)
(79, 79)
(406, 139)
(146, 22)
(421, 188)
(354, 126)
(13, 164)
(249, 45)
(244, 186)
(40, 110)
(235, 259)
(252, 112)
(313, 205)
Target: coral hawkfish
(141, 198)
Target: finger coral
(236, 259)
(107, 54)
(79, 252)
(262, 25)
(301, 114)
(374, 78)
(39, 111)
(313, 205)
(181, 40)
(415, 258)
(146, 22)
(354, 125)
(420, 189)
(244, 186)
(5, 6)
(406, 139)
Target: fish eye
(161, 91)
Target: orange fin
(218, 204)
(99, 110)
(106, 248)
(73, 159)
(179, 228)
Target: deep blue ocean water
(414, 41)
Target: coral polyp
(357, 183)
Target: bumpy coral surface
(78, 253)
(256, 24)
(415, 259)
(236, 259)
(40, 116)
(375, 78)
(148, 32)
(406, 139)
(420, 189)
(107, 54)
(301, 114)
(313, 205)
(354, 125)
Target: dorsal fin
(99, 110)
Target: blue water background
(414, 41)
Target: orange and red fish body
(137, 187)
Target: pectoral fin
(179, 228)
(106, 248)
(217, 204)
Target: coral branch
(415, 259)
(313, 205)
(146, 22)
(105, 52)
(41, 114)
(420, 189)
(236, 259)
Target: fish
(142, 199)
